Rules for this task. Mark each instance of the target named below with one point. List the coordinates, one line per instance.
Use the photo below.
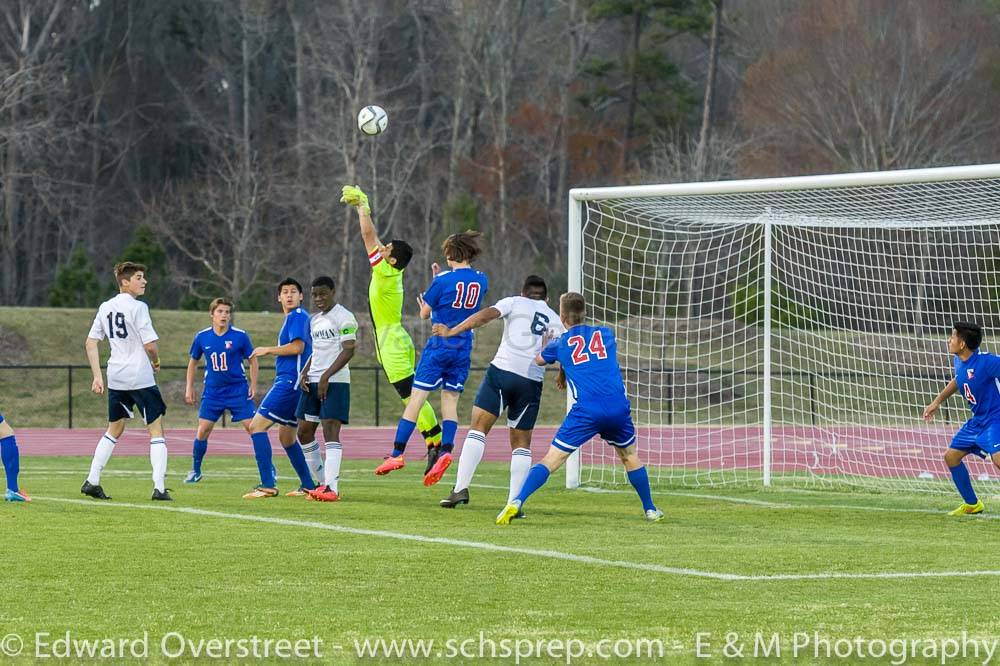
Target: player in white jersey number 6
(512, 382)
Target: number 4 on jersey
(968, 394)
(595, 347)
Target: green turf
(106, 570)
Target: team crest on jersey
(229, 344)
(970, 372)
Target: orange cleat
(324, 494)
(438, 470)
(390, 464)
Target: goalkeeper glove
(353, 196)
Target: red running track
(846, 449)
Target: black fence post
(375, 375)
(69, 391)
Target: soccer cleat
(95, 491)
(455, 498)
(390, 464)
(654, 515)
(324, 494)
(509, 512)
(16, 496)
(162, 495)
(260, 492)
(298, 492)
(193, 477)
(433, 451)
(968, 509)
(437, 471)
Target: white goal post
(789, 329)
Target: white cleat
(654, 515)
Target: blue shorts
(337, 405)
(235, 399)
(520, 396)
(613, 424)
(443, 366)
(1, 418)
(280, 402)
(980, 439)
(147, 401)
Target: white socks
(520, 464)
(102, 455)
(158, 458)
(334, 454)
(314, 459)
(472, 452)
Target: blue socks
(640, 481)
(403, 432)
(960, 475)
(537, 476)
(198, 454)
(11, 461)
(298, 459)
(448, 430)
(262, 452)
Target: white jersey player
(513, 382)
(326, 387)
(125, 322)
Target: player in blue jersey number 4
(225, 348)
(977, 377)
(588, 356)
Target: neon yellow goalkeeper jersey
(385, 293)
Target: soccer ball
(372, 120)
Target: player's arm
(345, 356)
(550, 349)
(304, 376)
(481, 318)
(153, 352)
(148, 336)
(189, 381)
(945, 393)
(293, 348)
(353, 196)
(254, 372)
(94, 358)
(561, 379)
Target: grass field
(387, 563)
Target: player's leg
(520, 460)
(398, 359)
(639, 479)
(150, 403)
(576, 430)
(962, 444)
(286, 435)
(11, 463)
(426, 379)
(454, 373)
(307, 414)
(210, 410)
(522, 412)
(278, 406)
(120, 406)
(473, 447)
(334, 414)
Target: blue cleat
(193, 477)
(16, 496)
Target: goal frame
(579, 196)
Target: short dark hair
(216, 302)
(126, 269)
(970, 333)
(462, 247)
(290, 282)
(535, 281)
(324, 281)
(572, 306)
(401, 252)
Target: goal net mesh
(864, 285)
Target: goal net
(791, 330)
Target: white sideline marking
(550, 554)
(36, 471)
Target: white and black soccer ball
(372, 120)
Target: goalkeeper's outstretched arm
(353, 196)
(945, 393)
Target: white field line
(250, 472)
(546, 554)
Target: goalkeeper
(393, 345)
